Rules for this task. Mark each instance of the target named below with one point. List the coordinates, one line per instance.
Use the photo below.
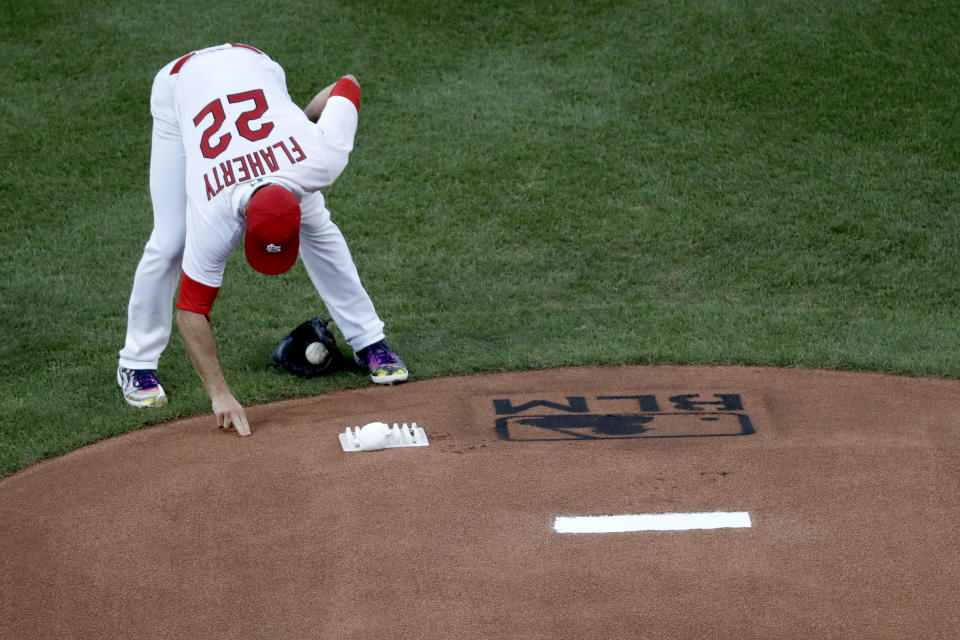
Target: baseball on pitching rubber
(373, 436)
(316, 352)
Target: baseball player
(233, 157)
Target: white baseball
(316, 352)
(373, 436)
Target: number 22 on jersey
(211, 150)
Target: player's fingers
(241, 424)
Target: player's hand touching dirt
(230, 414)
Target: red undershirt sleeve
(348, 89)
(196, 297)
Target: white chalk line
(652, 522)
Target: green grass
(534, 184)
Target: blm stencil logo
(687, 415)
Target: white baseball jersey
(240, 129)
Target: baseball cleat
(140, 387)
(382, 363)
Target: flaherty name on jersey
(246, 167)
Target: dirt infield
(851, 483)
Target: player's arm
(337, 112)
(194, 303)
(193, 308)
(203, 353)
(319, 102)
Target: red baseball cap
(273, 230)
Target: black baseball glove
(309, 350)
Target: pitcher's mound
(837, 496)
